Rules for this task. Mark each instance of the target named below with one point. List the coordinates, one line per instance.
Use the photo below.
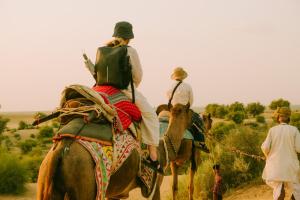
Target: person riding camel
(149, 125)
(181, 92)
(280, 149)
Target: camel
(186, 153)
(67, 171)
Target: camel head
(207, 121)
(180, 118)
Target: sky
(233, 50)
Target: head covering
(179, 74)
(282, 112)
(123, 30)
(216, 166)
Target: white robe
(280, 148)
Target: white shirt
(183, 94)
(280, 148)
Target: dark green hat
(123, 30)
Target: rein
(172, 144)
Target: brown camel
(67, 172)
(186, 153)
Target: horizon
(233, 51)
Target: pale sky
(233, 50)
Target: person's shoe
(202, 146)
(153, 165)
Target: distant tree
(255, 108)
(216, 110)
(295, 120)
(279, 103)
(221, 111)
(236, 106)
(3, 124)
(237, 116)
(39, 115)
(211, 108)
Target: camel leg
(191, 184)
(159, 181)
(175, 180)
(77, 170)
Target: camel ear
(188, 105)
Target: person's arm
(266, 145)
(98, 55)
(137, 72)
(89, 65)
(191, 96)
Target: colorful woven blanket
(106, 162)
(127, 111)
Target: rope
(82, 110)
(236, 150)
(167, 155)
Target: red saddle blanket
(127, 111)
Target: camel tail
(47, 171)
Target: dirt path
(256, 192)
(30, 194)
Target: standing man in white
(280, 148)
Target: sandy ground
(256, 192)
(30, 194)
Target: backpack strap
(173, 92)
(131, 79)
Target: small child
(217, 191)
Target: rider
(150, 125)
(183, 94)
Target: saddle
(95, 114)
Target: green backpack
(114, 67)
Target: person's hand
(85, 56)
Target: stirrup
(153, 165)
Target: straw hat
(179, 74)
(282, 112)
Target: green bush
(22, 125)
(17, 136)
(236, 169)
(237, 116)
(220, 129)
(32, 135)
(27, 145)
(32, 165)
(45, 132)
(260, 119)
(3, 124)
(8, 143)
(251, 124)
(12, 174)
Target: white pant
(150, 123)
(276, 185)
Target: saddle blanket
(103, 157)
(127, 111)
